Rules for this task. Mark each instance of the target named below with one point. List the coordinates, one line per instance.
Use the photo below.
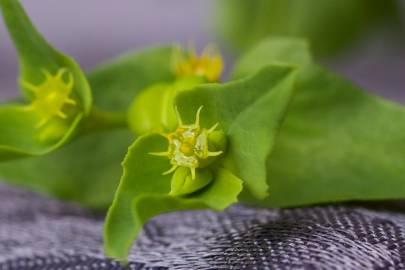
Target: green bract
(57, 91)
(144, 193)
(239, 108)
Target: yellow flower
(188, 146)
(209, 64)
(51, 95)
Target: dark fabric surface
(39, 233)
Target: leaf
(20, 136)
(117, 82)
(142, 175)
(38, 61)
(143, 193)
(291, 51)
(329, 25)
(87, 170)
(250, 112)
(337, 143)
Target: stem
(99, 120)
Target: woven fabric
(43, 234)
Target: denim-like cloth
(44, 234)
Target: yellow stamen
(159, 154)
(213, 128)
(179, 120)
(197, 118)
(172, 169)
(192, 170)
(62, 115)
(214, 154)
(71, 101)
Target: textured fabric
(39, 233)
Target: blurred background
(362, 39)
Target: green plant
(281, 132)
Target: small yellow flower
(188, 145)
(209, 64)
(51, 95)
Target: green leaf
(250, 111)
(39, 61)
(329, 25)
(87, 170)
(20, 137)
(337, 143)
(291, 51)
(117, 82)
(143, 193)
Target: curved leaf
(38, 61)
(117, 82)
(250, 111)
(19, 135)
(143, 193)
(291, 51)
(337, 143)
(142, 174)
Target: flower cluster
(51, 95)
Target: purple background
(94, 30)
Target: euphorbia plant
(280, 132)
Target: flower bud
(183, 182)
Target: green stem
(99, 120)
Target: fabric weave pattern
(41, 233)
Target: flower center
(51, 95)
(188, 146)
